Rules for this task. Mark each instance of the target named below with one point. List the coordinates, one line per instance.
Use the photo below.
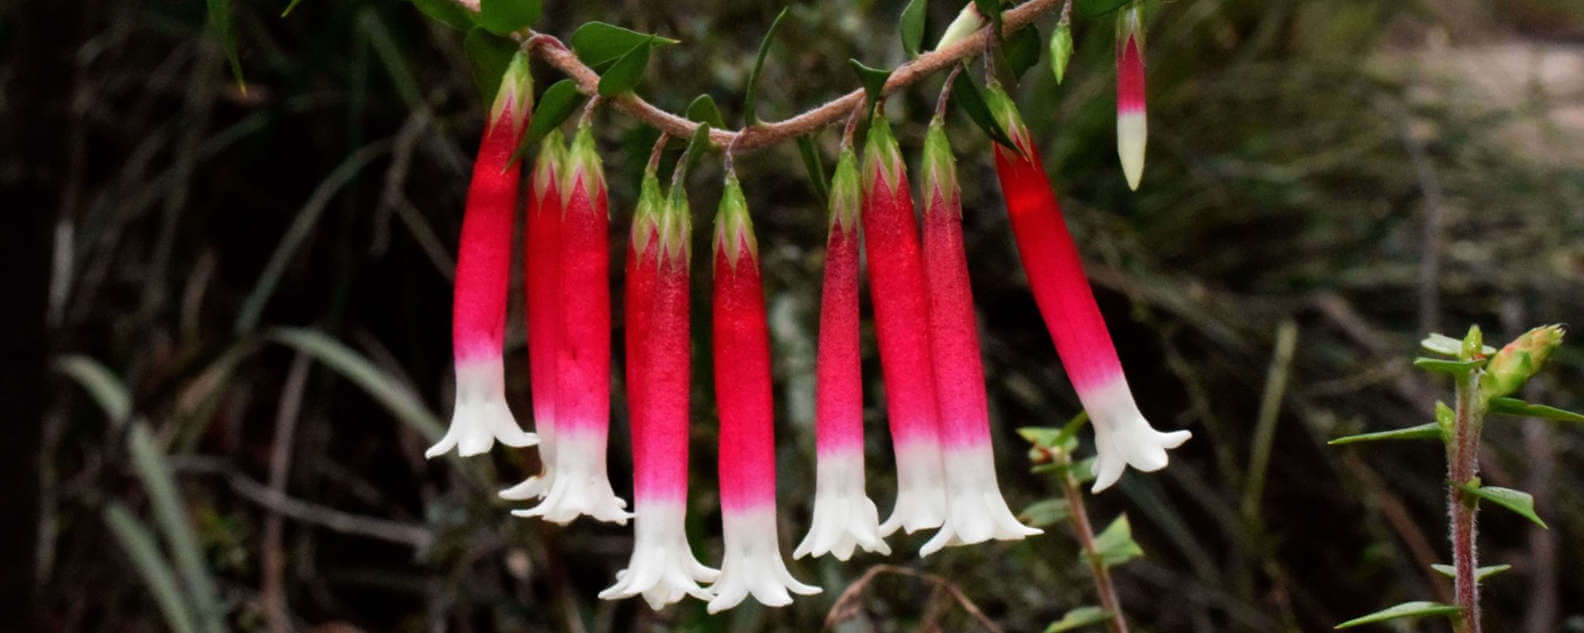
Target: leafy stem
(1462, 470)
(1086, 538)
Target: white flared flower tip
(1132, 136)
(530, 488)
(662, 568)
(752, 564)
(1122, 436)
(580, 485)
(975, 511)
(481, 416)
(844, 517)
(921, 490)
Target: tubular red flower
(975, 511)
(844, 516)
(479, 304)
(896, 284)
(1132, 128)
(642, 268)
(582, 411)
(1122, 436)
(542, 276)
(752, 562)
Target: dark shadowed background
(1361, 170)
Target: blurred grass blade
(299, 230)
(106, 389)
(751, 98)
(391, 56)
(151, 565)
(171, 515)
(1269, 414)
(395, 396)
(220, 21)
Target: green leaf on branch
(1437, 343)
(502, 17)
(1022, 50)
(557, 103)
(704, 110)
(1444, 366)
(1404, 610)
(488, 54)
(1115, 543)
(598, 43)
(873, 80)
(751, 97)
(1516, 500)
(1093, 8)
(1046, 512)
(967, 96)
(1041, 436)
(690, 156)
(1079, 617)
(1426, 431)
(1083, 470)
(1516, 407)
(911, 27)
(814, 166)
(623, 75)
(1479, 574)
(446, 12)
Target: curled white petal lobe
(844, 517)
(752, 563)
(975, 511)
(662, 568)
(580, 485)
(921, 490)
(481, 416)
(1122, 436)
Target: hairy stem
(1097, 566)
(1462, 467)
(765, 134)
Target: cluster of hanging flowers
(935, 396)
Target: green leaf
(557, 103)
(1070, 429)
(1426, 431)
(1446, 419)
(967, 96)
(287, 11)
(391, 393)
(1092, 8)
(139, 544)
(1041, 436)
(623, 75)
(814, 166)
(220, 21)
(1083, 470)
(1516, 500)
(751, 97)
(690, 157)
(1404, 610)
(1046, 512)
(598, 43)
(1440, 365)
(704, 110)
(911, 26)
(1022, 50)
(488, 54)
(873, 80)
(1115, 543)
(1479, 574)
(1514, 406)
(1061, 50)
(502, 17)
(103, 386)
(446, 12)
(1437, 343)
(170, 513)
(1079, 617)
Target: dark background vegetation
(1363, 170)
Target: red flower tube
(543, 275)
(662, 567)
(975, 511)
(896, 285)
(582, 404)
(844, 517)
(1132, 128)
(478, 309)
(1122, 436)
(752, 560)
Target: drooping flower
(844, 516)
(1122, 436)
(478, 313)
(543, 275)
(896, 286)
(1132, 128)
(582, 403)
(752, 561)
(975, 511)
(662, 568)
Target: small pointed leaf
(1426, 431)
(557, 103)
(623, 75)
(1516, 500)
(1479, 574)
(1083, 470)
(1115, 543)
(1444, 345)
(446, 12)
(814, 166)
(502, 17)
(1079, 617)
(911, 26)
(874, 80)
(599, 43)
(1443, 366)
(751, 97)
(1041, 436)
(1046, 512)
(1070, 430)
(690, 156)
(704, 110)
(1061, 50)
(1405, 610)
(225, 31)
(1516, 407)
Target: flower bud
(1520, 360)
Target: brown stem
(1097, 566)
(1462, 467)
(765, 134)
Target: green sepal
(583, 165)
(882, 157)
(993, 111)
(846, 195)
(551, 163)
(646, 214)
(515, 94)
(676, 229)
(940, 168)
(733, 227)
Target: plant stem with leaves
(1462, 468)
(1086, 538)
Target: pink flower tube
(1122, 436)
(975, 511)
(478, 313)
(752, 561)
(1132, 127)
(896, 285)
(662, 567)
(582, 405)
(844, 517)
